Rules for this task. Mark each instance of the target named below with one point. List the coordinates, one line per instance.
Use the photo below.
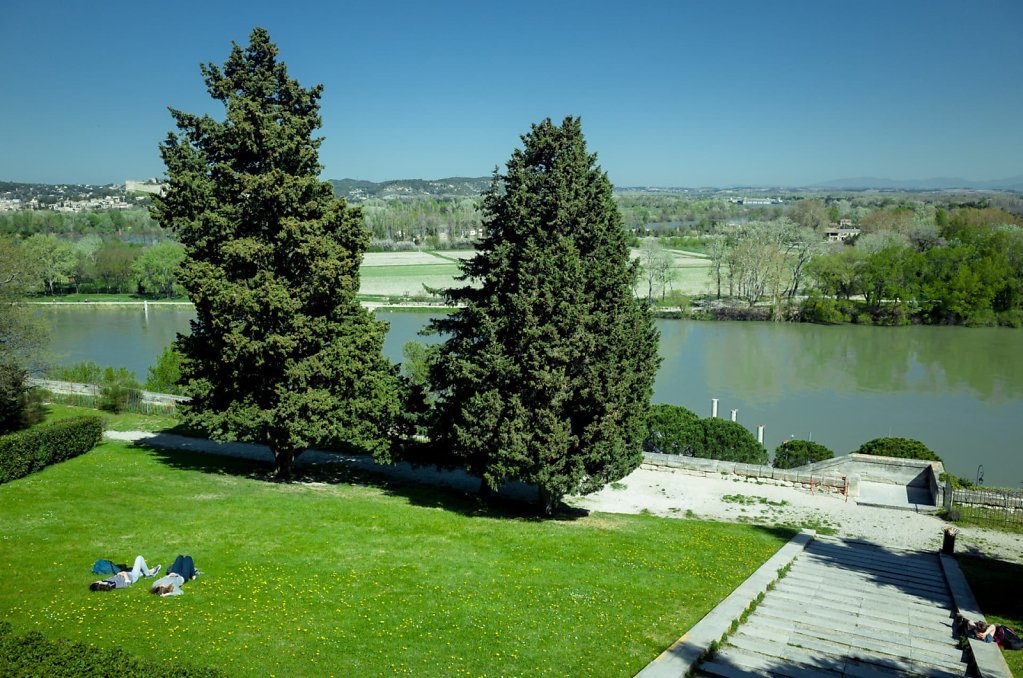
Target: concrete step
(860, 595)
(845, 554)
(734, 662)
(800, 601)
(868, 626)
(867, 551)
(819, 656)
(826, 579)
(931, 587)
(845, 643)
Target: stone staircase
(848, 609)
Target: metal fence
(88, 395)
(1000, 508)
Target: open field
(405, 280)
(404, 273)
(352, 575)
(385, 275)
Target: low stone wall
(832, 475)
(797, 477)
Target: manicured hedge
(728, 441)
(903, 448)
(669, 429)
(793, 453)
(28, 451)
(672, 429)
(33, 654)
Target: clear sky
(671, 93)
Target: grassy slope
(996, 585)
(351, 578)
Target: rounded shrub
(902, 448)
(793, 453)
(118, 390)
(670, 430)
(729, 441)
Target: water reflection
(769, 361)
(956, 389)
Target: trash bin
(948, 545)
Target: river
(958, 390)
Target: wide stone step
(863, 551)
(851, 644)
(817, 579)
(936, 619)
(935, 587)
(838, 620)
(930, 586)
(818, 656)
(735, 662)
(861, 596)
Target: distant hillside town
(77, 197)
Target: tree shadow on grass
(449, 490)
(991, 580)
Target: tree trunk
(284, 456)
(547, 500)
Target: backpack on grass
(1007, 638)
(103, 566)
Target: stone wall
(841, 474)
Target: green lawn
(351, 575)
(125, 421)
(996, 585)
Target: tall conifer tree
(280, 351)
(548, 368)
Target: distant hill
(357, 189)
(935, 184)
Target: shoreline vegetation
(837, 257)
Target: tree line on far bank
(91, 265)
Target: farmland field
(394, 274)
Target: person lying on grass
(183, 570)
(125, 578)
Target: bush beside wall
(28, 451)
(794, 453)
(902, 448)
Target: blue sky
(671, 93)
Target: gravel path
(675, 494)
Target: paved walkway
(848, 608)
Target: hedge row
(28, 451)
(33, 655)
(672, 429)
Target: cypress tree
(547, 369)
(280, 352)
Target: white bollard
(714, 407)
(734, 413)
(760, 433)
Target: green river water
(959, 390)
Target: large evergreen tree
(280, 351)
(548, 367)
